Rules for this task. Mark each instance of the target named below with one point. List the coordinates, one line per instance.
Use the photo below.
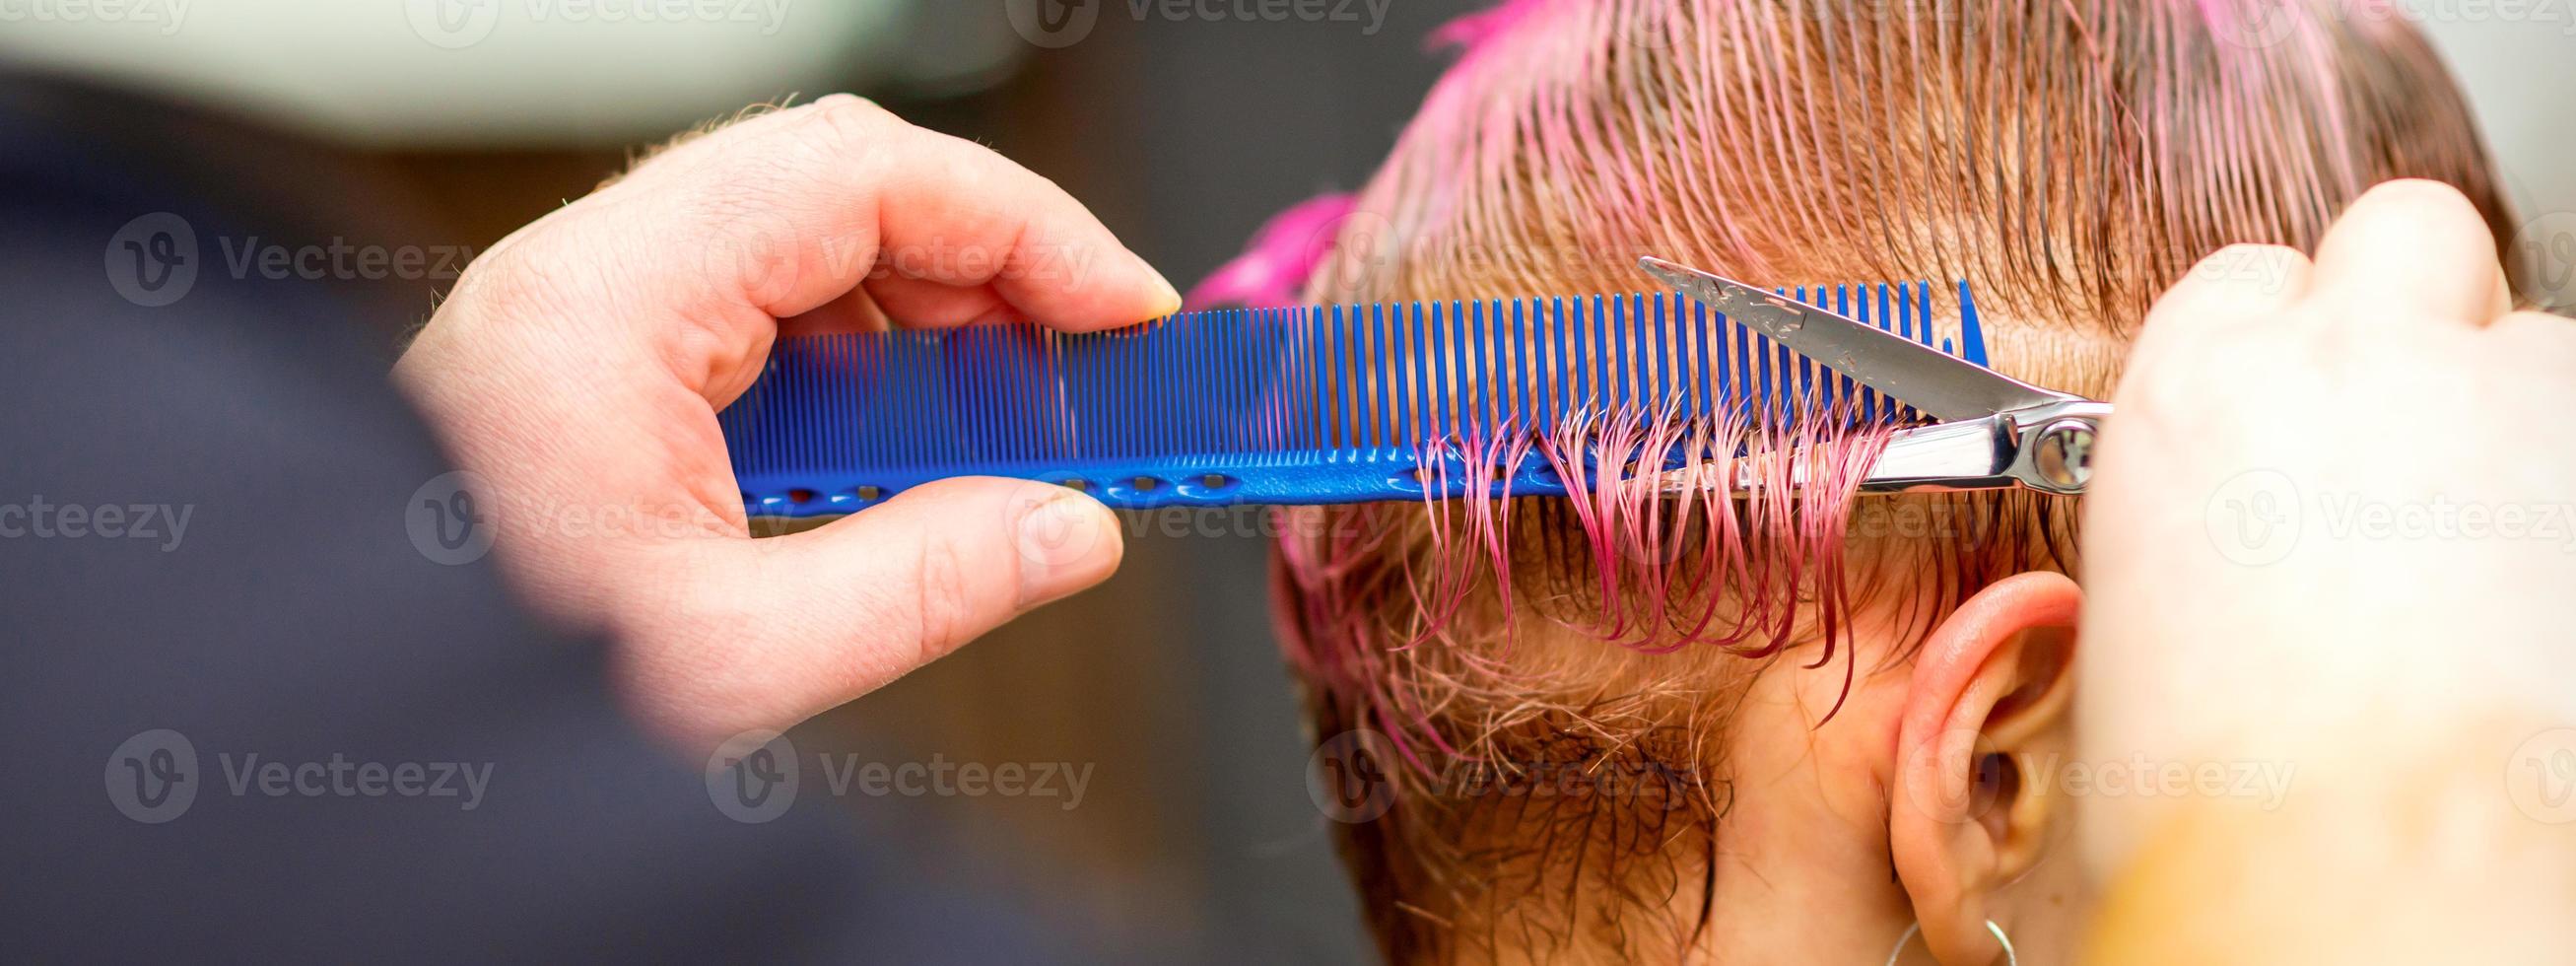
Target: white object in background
(480, 73)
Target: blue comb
(1307, 405)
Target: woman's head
(1669, 725)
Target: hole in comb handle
(1132, 488)
(1205, 485)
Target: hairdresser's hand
(2328, 522)
(579, 365)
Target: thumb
(794, 625)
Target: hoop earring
(2010, 958)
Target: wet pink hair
(2068, 160)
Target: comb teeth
(1317, 404)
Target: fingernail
(1068, 542)
(1167, 299)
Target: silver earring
(2010, 958)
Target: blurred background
(437, 126)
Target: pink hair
(2067, 160)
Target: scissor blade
(1942, 386)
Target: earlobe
(1988, 704)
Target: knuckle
(945, 599)
(512, 280)
(758, 165)
(847, 123)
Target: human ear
(1988, 704)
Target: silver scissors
(1993, 431)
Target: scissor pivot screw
(2065, 455)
